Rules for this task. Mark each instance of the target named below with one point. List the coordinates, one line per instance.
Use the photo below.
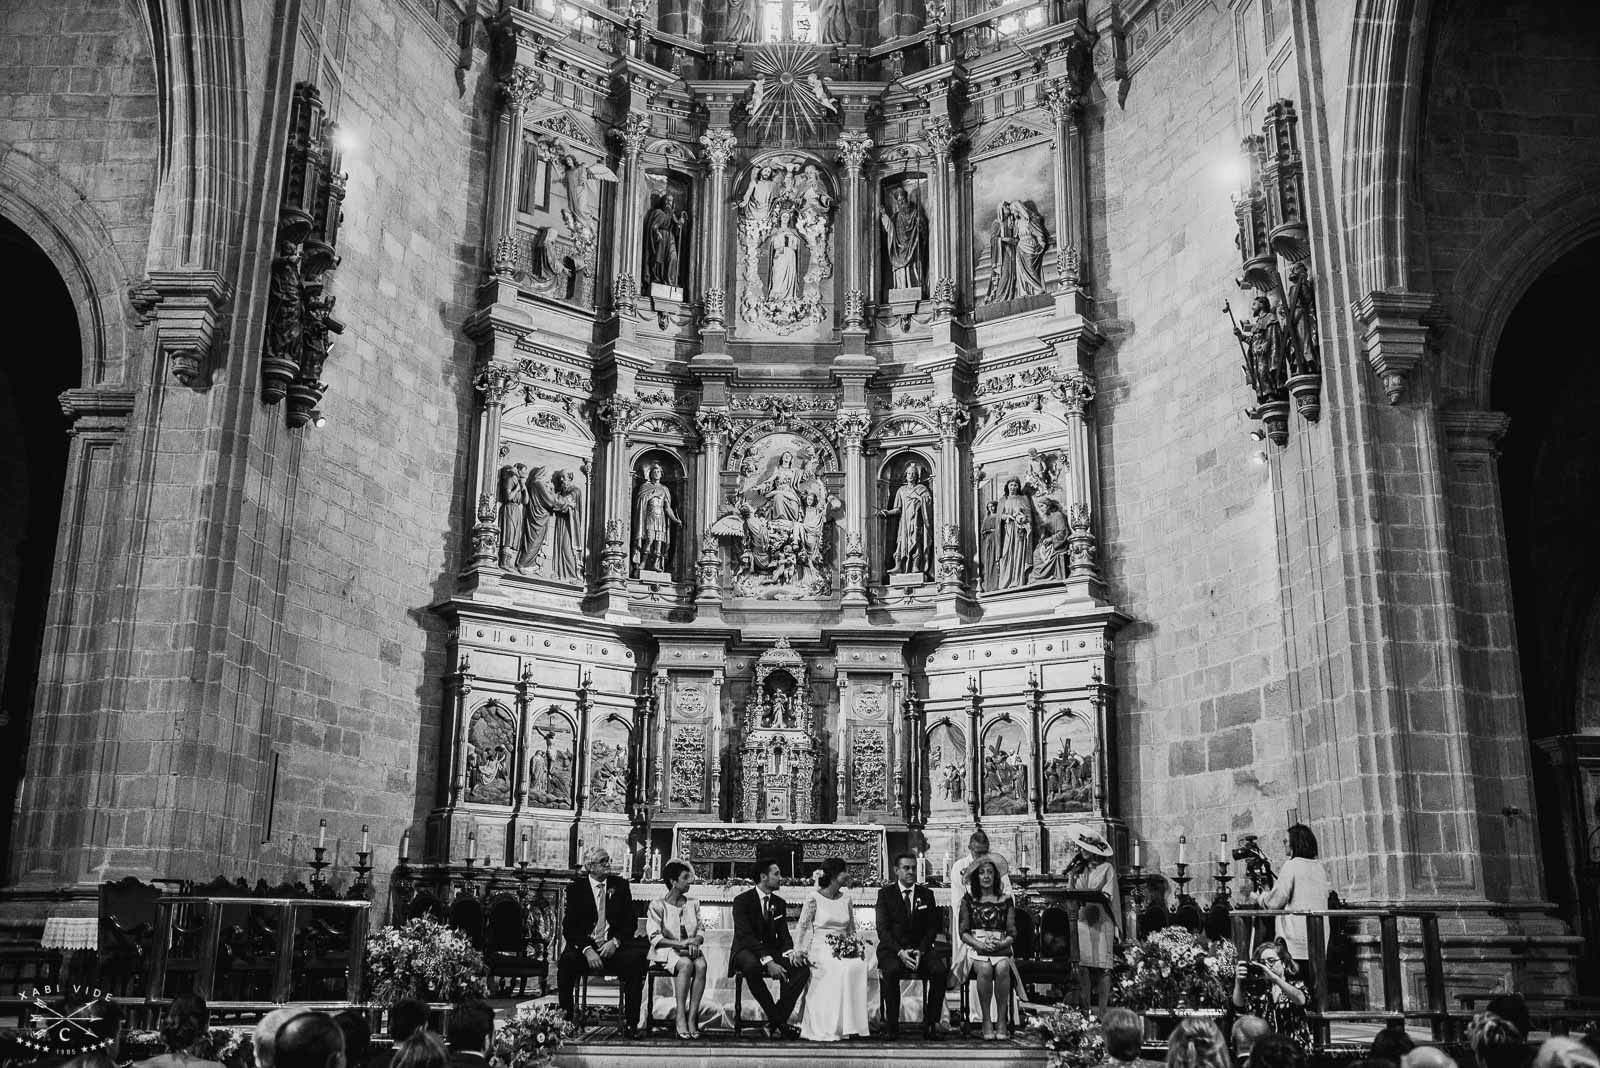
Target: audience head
(1247, 1031)
(1392, 1043)
(1512, 1009)
(1196, 1044)
(1496, 1042)
(766, 873)
(1427, 1057)
(1276, 1050)
(984, 878)
(266, 1035)
(905, 868)
(185, 1022)
(471, 1025)
(1124, 1034)
(308, 1040)
(423, 1049)
(834, 873)
(1562, 1051)
(596, 861)
(1302, 843)
(357, 1033)
(978, 842)
(675, 870)
(405, 1016)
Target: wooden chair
(505, 945)
(466, 916)
(1045, 959)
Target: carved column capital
(1472, 437)
(850, 426)
(635, 127)
(941, 135)
(950, 416)
(713, 425)
(1394, 331)
(719, 144)
(1063, 95)
(617, 413)
(1075, 391)
(493, 383)
(853, 147)
(520, 88)
(185, 307)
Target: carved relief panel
(609, 743)
(780, 523)
(1013, 210)
(545, 457)
(1021, 497)
(491, 750)
(552, 759)
(784, 258)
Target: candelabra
(522, 875)
(469, 877)
(1181, 881)
(362, 887)
(1223, 879)
(319, 861)
(1136, 886)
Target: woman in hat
(1091, 869)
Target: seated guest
(673, 926)
(1497, 1043)
(357, 1033)
(266, 1034)
(1277, 1051)
(908, 923)
(1513, 1009)
(1269, 987)
(1247, 1031)
(763, 948)
(423, 1049)
(1392, 1043)
(988, 925)
(471, 1028)
(1560, 1051)
(1196, 1043)
(185, 1031)
(601, 935)
(1427, 1057)
(308, 1040)
(960, 874)
(1124, 1035)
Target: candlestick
(1183, 849)
(522, 848)
(322, 834)
(366, 843)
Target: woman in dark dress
(989, 927)
(1269, 987)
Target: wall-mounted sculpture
(552, 758)
(911, 546)
(785, 246)
(1024, 531)
(541, 522)
(666, 232)
(1004, 767)
(491, 754)
(1017, 243)
(905, 231)
(654, 520)
(781, 522)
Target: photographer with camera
(1301, 886)
(1269, 987)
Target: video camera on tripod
(1257, 868)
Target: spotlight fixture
(1257, 435)
(318, 420)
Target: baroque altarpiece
(784, 481)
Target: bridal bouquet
(845, 947)
(530, 1038)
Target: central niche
(785, 254)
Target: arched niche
(1070, 780)
(491, 754)
(610, 742)
(949, 769)
(552, 758)
(901, 232)
(659, 494)
(543, 490)
(1003, 768)
(907, 537)
(666, 233)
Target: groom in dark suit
(763, 948)
(908, 920)
(601, 934)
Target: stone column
(719, 145)
(1075, 391)
(853, 146)
(951, 416)
(850, 428)
(518, 89)
(941, 137)
(616, 415)
(1063, 90)
(630, 212)
(974, 749)
(715, 753)
(714, 427)
(493, 384)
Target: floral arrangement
(845, 947)
(230, 1045)
(1174, 969)
(530, 1038)
(424, 959)
(1072, 1038)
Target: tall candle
(472, 845)
(366, 842)
(522, 848)
(405, 845)
(1183, 849)
(922, 865)
(1137, 859)
(322, 833)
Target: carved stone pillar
(853, 147)
(616, 415)
(493, 384)
(716, 744)
(630, 212)
(719, 145)
(1075, 391)
(714, 427)
(941, 137)
(1063, 91)
(950, 416)
(518, 89)
(850, 428)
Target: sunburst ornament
(789, 92)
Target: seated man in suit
(908, 920)
(601, 934)
(762, 948)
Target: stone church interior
(453, 439)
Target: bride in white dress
(836, 999)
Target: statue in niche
(1041, 476)
(1050, 560)
(739, 25)
(582, 182)
(566, 508)
(913, 542)
(1017, 244)
(1013, 539)
(785, 245)
(988, 543)
(780, 525)
(653, 519)
(1305, 348)
(551, 523)
(833, 22)
(513, 494)
(1264, 347)
(663, 234)
(1005, 774)
(905, 229)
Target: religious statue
(833, 22)
(904, 229)
(284, 326)
(739, 25)
(780, 529)
(652, 512)
(663, 233)
(785, 245)
(1041, 476)
(783, 279)
(780, 710)
(1264, 344)
(1032, 240)
(781, 491)
(566, 509)
(1017, 242)
(582, 184)
(757, 203)
(1305, 347)
(1050, 561)
(513, 495)
(913, 543)
(1013, 540)
(552, 526)
(988, 540)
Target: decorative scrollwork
(851, 425)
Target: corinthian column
(1063, 94)
(493, 384)
(850, 426)
(941, 138)
(951, 416)
(518, 89)
(714, 427)
(719, 145)
(1075, 391)
(630, 211)
(853, 146)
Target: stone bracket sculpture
(186, 307)
(300, 321)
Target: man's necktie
(908, 904)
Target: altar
(726, 850)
